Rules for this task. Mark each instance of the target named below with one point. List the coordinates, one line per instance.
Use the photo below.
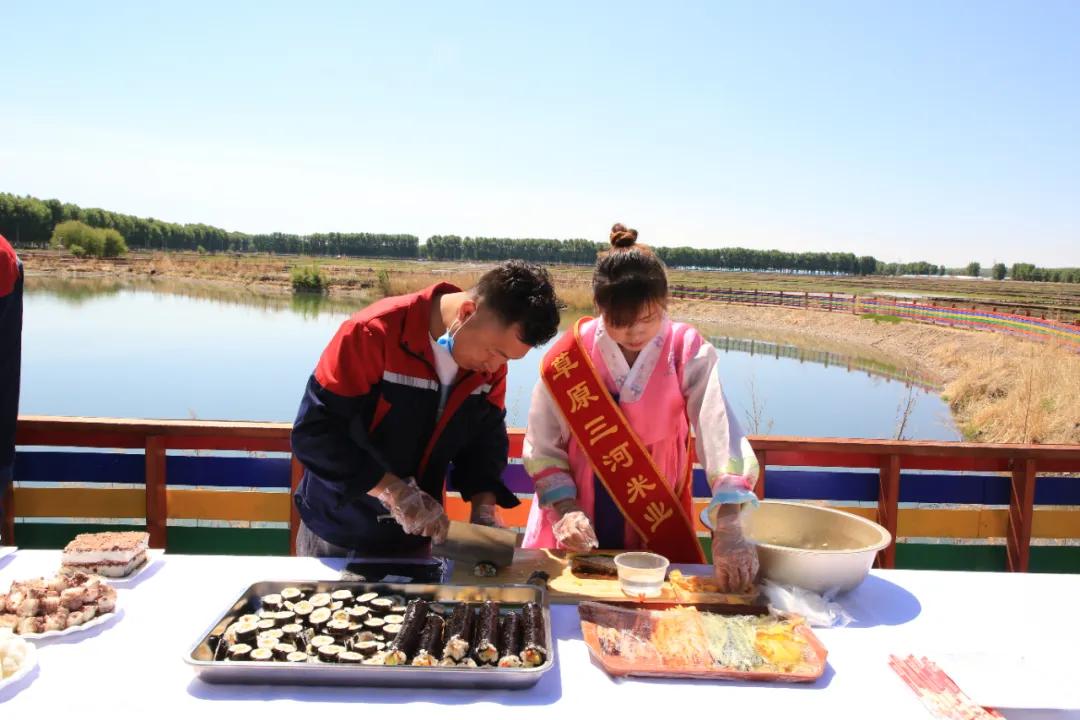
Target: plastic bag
(819, 611)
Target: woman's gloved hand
(417, 512)
(573, 530)
(735, 560)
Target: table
(134, 665)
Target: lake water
(102, 348)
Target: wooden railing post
(296, 472)
(888, 506)
(157, 511)
(1021, 512)
(7, 518)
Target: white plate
(152, 556)
(98, 620)
(28, 664)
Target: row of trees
(29, 222)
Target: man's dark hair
(522, 293)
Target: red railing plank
(157, 511)
(888, 508)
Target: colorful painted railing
(1065, 331)
(984, 518)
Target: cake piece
(111, 554)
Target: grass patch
(882, 318)
(308, 278)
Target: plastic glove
(484, 514)
(735, 560)
(417, 512)
(573, 529)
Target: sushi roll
(357, 613)
(381, 606)
(374, 624)
(459, 631)
(391, 631)
(367, 648)
(364, 636)
(272, 602)
(431, 641)
(282, 651)
(246, 632)
(485, 647)
(398, 608)
(265, 614)
(268, 624)
(320, 600)
(240, 651)
(329, 653)
(339, 615)
(366, 598)
(297, 657)
(318, 642)
(284, 617)
(303, 609)
(404, 646)
(510, 641)
(266, 642)
(262, 655)
(338, 628)
(220, 646)
(319, 618)
(252, 619)
(342, 595)
(348, 657)
(291, 595)
(534, 646)
(393, 619)
(292, 631)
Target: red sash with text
(619, 459)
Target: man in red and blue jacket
(11, 291)
(408, 387)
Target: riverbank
(1000, 389)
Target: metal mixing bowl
(817, 548)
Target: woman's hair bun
(622, 236)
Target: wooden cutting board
(566, 588)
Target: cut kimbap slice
(291, 594)
(282, 651)
(342, 595)
(329, 653)
(381, 606)
(240, 651)
(320, 600)
(297, 657)
(272, 602)
(349, 657)
(262, 654)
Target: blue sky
(945, 131)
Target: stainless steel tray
(272, 673)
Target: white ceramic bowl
(817, 548)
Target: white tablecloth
(134, 667)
